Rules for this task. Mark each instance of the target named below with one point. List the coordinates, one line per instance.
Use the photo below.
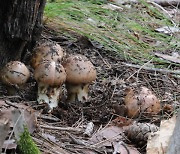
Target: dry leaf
(30, 119)
(21, 118)
(18, 123)
(158, 142)
(107, 136)
(4, 130)
(122, 148)
(9, 144)
(6, 113)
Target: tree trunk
(20, 27)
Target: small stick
(108, 65)
(11, 104)
(77, 141)
(139, 69)
(153, 69)
(62, 128)
(47, 117)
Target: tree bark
(20, 27)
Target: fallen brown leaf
(4, 130)
(159, 141)
(107, 136)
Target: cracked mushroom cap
(51, 73)
(46, 50)
(79, 70)
(15, 73)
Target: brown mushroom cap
(150, 103)
(46, 51)
(142, 100)
(15, 73)
(79, 69)
(50, 72)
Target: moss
(26, 145)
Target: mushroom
(46, 50)
(142, 100)
(50, 75)
(14, 74)
(80, 72)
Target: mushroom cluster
(52, 69)
(50, 72)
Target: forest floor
(122, 42)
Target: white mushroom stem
(77, 92)
(48, 94)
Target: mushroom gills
(49, 94)
(77, 92)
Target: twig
(78, 141)
(62, 128)
(152, 69)
(47, 117)
(9, 97)
(108, 65)
(78, 123)
(11, 104)
(139, 69)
